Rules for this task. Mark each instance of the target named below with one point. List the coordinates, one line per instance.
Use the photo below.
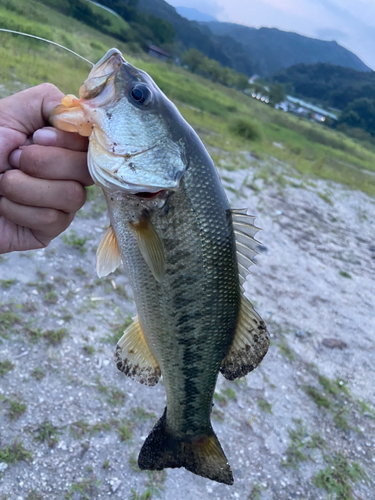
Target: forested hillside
(335, 86)
(274, 49)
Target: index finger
(51, 136)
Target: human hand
(42, 171)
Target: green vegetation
(114, 396)
(344, 274)
(81, 428)
(247, 129)
(38, 373)
(301, 444)
(16, 408)
(154, 486)
(264, 405)
(89, 349)
(49, 433)
(5, 367)
(125, 432)
(308, 148)
(73, 240)
(118, 331)
(34, 495)
(55, 336)
(14, 453)
(87, 487)
(7, 283)
(338, 477)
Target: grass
(114, 396)
(48, 433)
(16, 409)
(264, 405)
(14, 453)
(5, 367)
(118, 331)
(87, 487)
(300, 445)
(73, 240)
(318, 398)
(344, 274)
(55, 336)
(38, 373)
(309, 148)
(338, 477)
(81, 428)
(8, 319)
(7, 283)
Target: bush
(247, 129)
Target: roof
(159, 50)
(307, 105)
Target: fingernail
(44, 137)
(14, 158)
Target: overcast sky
(350, 22)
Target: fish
(185, 251)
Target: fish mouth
(100, 74)
(148, 195)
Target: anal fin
(134, 358)
(202, 455)
(250, 343)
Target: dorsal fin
(134, 358)
(108, 257)
(249, 345)
(244, 232)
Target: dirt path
(307, 408)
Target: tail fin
(202, 455)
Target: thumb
(22, 114)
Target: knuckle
(47, 88)
(49, 217)
(75, 196)
(9, 183)
(31, 161)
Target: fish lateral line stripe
(48, 41)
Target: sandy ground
(307, 408)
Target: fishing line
(48, 41)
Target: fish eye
(141, 94)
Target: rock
(334, 344)
(115, 484)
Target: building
(158, 53)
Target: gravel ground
(300, 426)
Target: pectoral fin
(249, 346)
(150, 246)
(108, 257)
(134, 358)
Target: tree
(193, 59)
(360, 114)
(277, 93)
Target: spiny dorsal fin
(108, 257)
(249, 345)
(134, 358)
(150, 246)
(244, 232)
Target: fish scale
(186, 255)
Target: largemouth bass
(185, 252)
